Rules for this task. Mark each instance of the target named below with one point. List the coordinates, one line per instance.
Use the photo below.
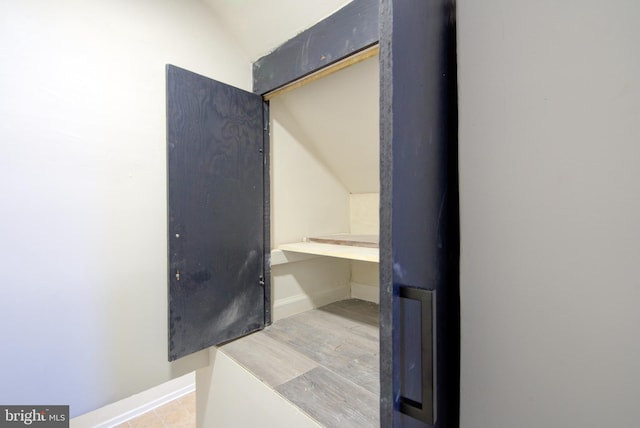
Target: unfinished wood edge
(346, 239)
(357, 57)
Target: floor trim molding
(136, 405)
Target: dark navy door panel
(216, 212)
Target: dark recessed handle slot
(418, 354)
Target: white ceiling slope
(260, 26)
(339, 116)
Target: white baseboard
(286, 307)
(365, 292)
(136, 405)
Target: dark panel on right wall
(419, 230)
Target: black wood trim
(347, 31)
(419, 220)
(388, 305)
(266, 147)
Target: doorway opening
(323, 346)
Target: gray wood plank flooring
(269, 360)
(332, 400)
(325, 361)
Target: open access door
(216, 209)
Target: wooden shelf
(345, 246)
(368, 241)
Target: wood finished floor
(325, 361)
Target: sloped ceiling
(339, 116)
(339, 113)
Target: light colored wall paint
(339, 115)
(295, 276)
(364, 218)
(261, 26)
(365, 281)
(364, 213)
(324, 146)
(306, 197)
(136, 405)
(304, 285)
(227, 395)
(549, 102)
(82, 177)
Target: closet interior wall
(324, 180)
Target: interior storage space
(325, 191)
(324, 361)
(322, 351)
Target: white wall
(364, 213)
(339, 117)
(549, 99)
(82, 178)
(261, 26)
(306, 199)
(230, 396)
(364, 218)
